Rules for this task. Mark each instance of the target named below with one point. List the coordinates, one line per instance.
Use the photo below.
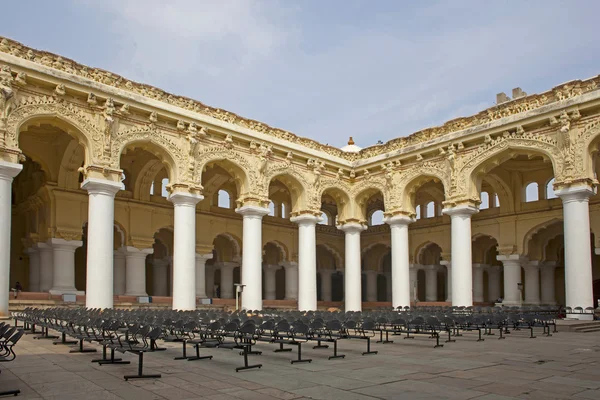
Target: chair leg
(112, 359)
(198, 357)
(10, 393)
(299, 359)
(140, 374)
(246, 366)
(64, 340)
(320, 346)
(281, 348)
(335, 353)
(369, 348)
(82, 349)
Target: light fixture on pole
(239, 288)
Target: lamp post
(239, 288)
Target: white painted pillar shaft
(201, 274)
(46, 266)
(119, 275)
(100, 242)
(291, 280)
(430, 283)
(227, 291)
(184, 250)
(252, 256)
(352, 281)
(462, 275)
(532, 283)
(578, 251)
(135, 271)
(64, 265)
(494, 283)
(547, 277)
(160, 274)
(270, 272)
(34, 269)
(326, 284)
(414, 283)
(307, 261)
(401, 282)
(478, 282)
(371, 286)
(512, 279)
(7, 172)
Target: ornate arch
(584, 147)
(65, 116)
(341, 189)
(298, 193)
(145, 178)
(235, 241)
(504, 192)
(282, 248)
(162, 146)
(411, 179)
(244, 174)
(486, 157)
(333, 251)
(420, 250)
(68, 172)
(362, 191)
(537, 229)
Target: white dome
(351, 147)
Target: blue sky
(327, 70)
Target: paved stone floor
(566, 365)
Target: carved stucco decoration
(584, 138)
(484, 158)
(340, 190)
(30, 107)
(516, 106)
(250, 184)
(282, 170)
(363, 190)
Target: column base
(581, 317)
(67, 291)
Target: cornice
(51, 67)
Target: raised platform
(565, 325)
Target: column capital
(532, 264)
(494, 268)
(226, 264)
(512, 258)
(549, 264)
(205, 257)
(480, 265)
(101, 186)
(185, 198)
(575, 193)
(137, 253)
(352, 227)
(399, 219)
(252, 211)
(430, 267)
(326, 271)
(289, 264)
(306, 219)
(65, 244)
(415, 267)
(371, 272)
(463, 210)
(271, 267)
(159, 262)
(9, 170)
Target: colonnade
(105, 270)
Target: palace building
(115, 190)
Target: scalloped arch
(246, 179)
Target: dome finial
(350, 141)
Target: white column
(462, 275)
(227, 279)
(307, 261)
(512, 279)
(352, 278)
(252, 256)
(34, 269)
(46, 266)
(430, 283)
(201, 274)
(63, 252)
(135, 271)
(371, 285)
(448, 266)
(160, 271)
(532, 283)
(100, 241)
(184, 250)
(578, 251)
(478, 282)
(414, 282)
(210, 281)
(401, 281)
(119, 274)
(326, 284)
(493, 283)
(7, 172)
(548, 290)
(291, 280)
(270, 281)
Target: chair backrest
(15, 338)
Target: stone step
(587, 330)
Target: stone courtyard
(562, 366)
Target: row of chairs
(139, 331)
(9, 336)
